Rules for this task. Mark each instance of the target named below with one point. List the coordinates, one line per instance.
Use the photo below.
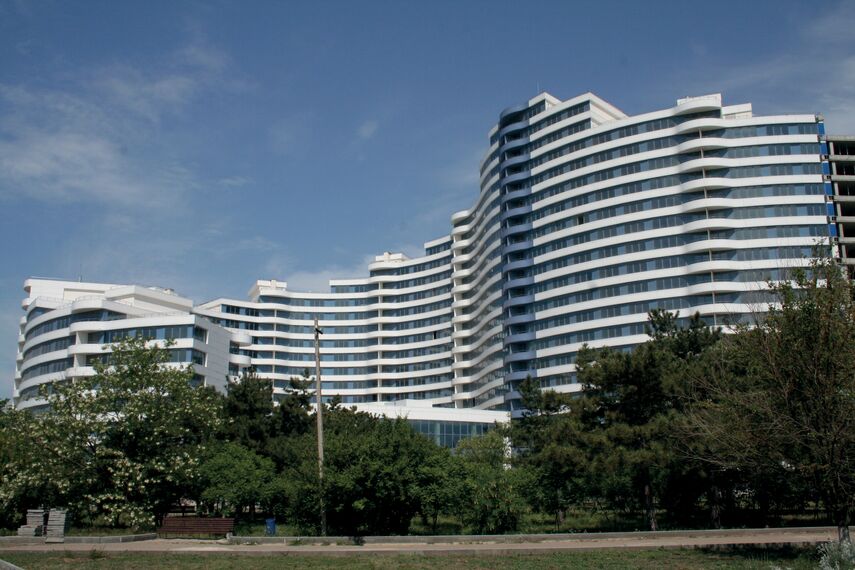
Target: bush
(836, 555)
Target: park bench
(195, 526)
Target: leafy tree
(14, 446)
(778, 399)
(121, 446)
(372, 474)
(442, 488)
(494, 492)
(233, 478)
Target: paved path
(689, 539)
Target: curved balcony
(510, 179)
(698, 164)
(461, 259)
(519, 375)
(711, 224)
(457, 319)
(519, 264)
(517, 301)
(458, 217)
(518, 246)
(712, 183)
(510, 145)
(461, 244)
(514, 212)
(708, 204)
(86, 304)
(31, 403)
(524, 356)
(81, 371)
(698, 105)
(84, 348)
(705, 124)
(520, 319)
(710, 244)
(702, 143)
(516, 194)
(507, 111)
(519, 282)
(715, 287)
(516, 229)
(512, 127)
(241, 338)
(462, 288)
(709, 267)
(520, 337)
(520, 159)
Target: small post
(320, 418)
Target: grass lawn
(616, 559)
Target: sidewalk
(681, 539)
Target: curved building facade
(68, 326)
(586, 220)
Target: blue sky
(204, 145)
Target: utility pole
(320, 417)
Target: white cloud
(202, 55)
(832, 25)
(816, 74)
(367, 129)
(53, 166)
(98, 139)
(234, 181)
(280, 266)
(148, 96)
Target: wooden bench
(195, 526)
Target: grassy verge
(608, 559)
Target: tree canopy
(120, 446)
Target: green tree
(494, 502)
(442, 487)
(14, 450)
(121, 446)
(630, 403)
(547, 440)
(613, 442)
(778, 399)
(233, 478)
(249, 411)
(291, 419)
(372, 474)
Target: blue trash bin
(270, 527)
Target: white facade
(69, 324)
(586, 219)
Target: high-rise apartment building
(586, 220)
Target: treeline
(693, 429)
(136, 441)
